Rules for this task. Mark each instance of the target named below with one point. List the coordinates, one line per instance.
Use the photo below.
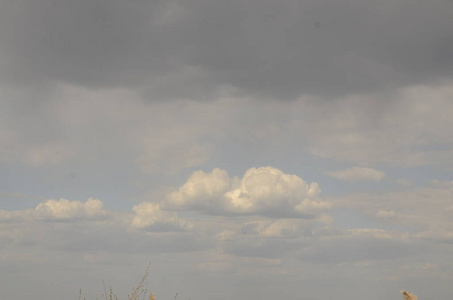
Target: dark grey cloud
(81, 42)
(192, 48)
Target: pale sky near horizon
(246, 149)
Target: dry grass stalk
(138, 290)
(408, 296)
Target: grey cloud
(115, 241)
(342, 247)
(410, 131)
(109, 236)
(81, 42)
(425, 209)
(193, 48)
(265, 248)
(269, 238)
(357, 174)
(358, 248)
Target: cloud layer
(252, 242)
(263, 191)
(150, 105)
(198, 48)
(357, 174)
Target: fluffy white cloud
(150, 217)
(357, 174)
(64, 209)
(147, 216)
(86, 228)
(203, 191)
(58, 210)
(262, 191)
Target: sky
(246, 149)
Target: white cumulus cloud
(65, 209)
(57, 210)
(263, 191)
(357, 174)
(150, 217)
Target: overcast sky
(247, 149)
